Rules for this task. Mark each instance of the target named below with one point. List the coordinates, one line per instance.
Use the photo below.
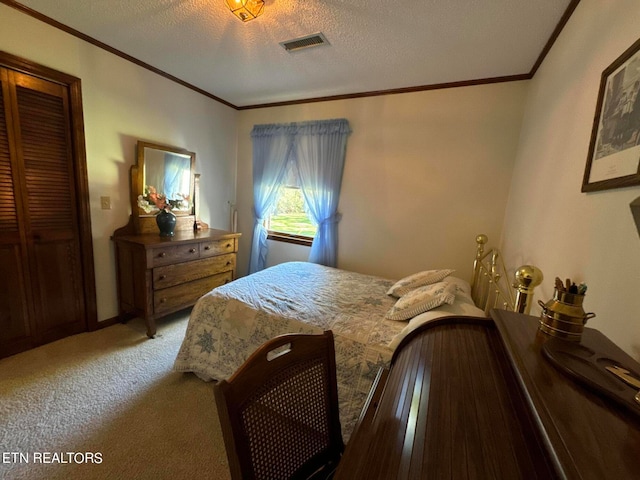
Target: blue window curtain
(319, 151)
(271, 151)
(175, 177)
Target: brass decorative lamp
(246, 10)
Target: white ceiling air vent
(308, 41)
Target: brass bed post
(495, 280)
(489, 288)
(528, 278)
(477, 263)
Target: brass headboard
(489, 286)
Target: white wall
(424, 174)
(123, 103)
(549, 222)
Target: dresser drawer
(167, 276)
(186, 294)
(173, 254)
(217, 247)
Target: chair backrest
(279, 410)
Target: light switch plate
(105, 203)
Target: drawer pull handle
(228, 263)
(192, 250)
(228, 245)
(208, 247)
(162, 277)
(163, 300)
(162, 255)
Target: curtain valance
(315, 127)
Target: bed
(227, 324)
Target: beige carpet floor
(112, 395)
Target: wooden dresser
(475, 398)
(160, 275)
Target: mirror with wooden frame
(163, 176)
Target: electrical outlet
(105, 203)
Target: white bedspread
(231, 321)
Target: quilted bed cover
(231, 321)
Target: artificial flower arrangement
(151, 201)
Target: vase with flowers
(151, 201)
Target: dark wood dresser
(160, 275)
(476, 398)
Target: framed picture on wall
(614, 151)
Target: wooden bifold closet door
(42, 298)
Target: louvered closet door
(15, 331)
(48, 217)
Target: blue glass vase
(166, 221)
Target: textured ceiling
(374, 44)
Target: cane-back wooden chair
(279, 410)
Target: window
(290, 222)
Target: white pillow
(458, 307)
(427, 277)
(463, 289)
(421, 300)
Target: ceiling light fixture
(246, 10)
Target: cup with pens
(563, 316)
